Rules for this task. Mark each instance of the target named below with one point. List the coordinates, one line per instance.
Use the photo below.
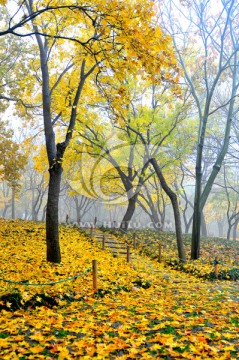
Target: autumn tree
(206, 42)
(102, 38)
(117, 170)
(147, 128)
(157, 136)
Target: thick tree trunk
(52, 235)
(195, 247)
(174, 202)
(129, 214)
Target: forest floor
(142, 309)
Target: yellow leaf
(64, 354)
(37, 349)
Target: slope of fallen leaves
(142, 310)
(226, 251)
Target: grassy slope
(143, 310)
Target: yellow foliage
(142, 309)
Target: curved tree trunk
(129, 214)
(174, 202)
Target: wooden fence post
(103, 242)
(216, 269)
(128, 253)
(160, 253)
(91, 232)
(95, 275)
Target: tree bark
(195, 247)
(52, 222)
(129, 214)
(174, 202)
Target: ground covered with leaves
(226, 252)
(142, 310)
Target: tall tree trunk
(129, 214)
(201, 197)
(195, 247)
(174, 202)
(52, 235)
